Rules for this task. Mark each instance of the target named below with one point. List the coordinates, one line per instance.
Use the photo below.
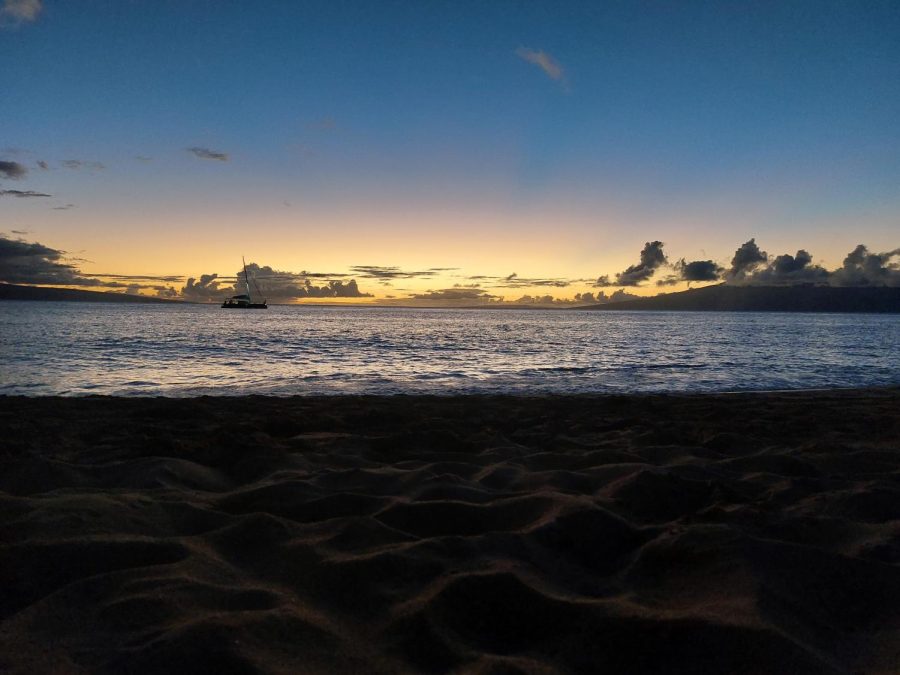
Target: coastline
(726, 532)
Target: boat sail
(245, 300)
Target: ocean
(74, 349)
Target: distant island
(719, 298)
(16, 292)
(725, 298)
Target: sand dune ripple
(754, 533)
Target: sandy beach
(744, 533)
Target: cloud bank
(273, 285)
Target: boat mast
(246, 280)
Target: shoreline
(719, 533)
(861, 391)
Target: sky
(459, 151)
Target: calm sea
(174, 350)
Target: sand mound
(715, 534)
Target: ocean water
(186, 350)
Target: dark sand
(688, 534)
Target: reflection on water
(173, 350)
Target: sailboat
(245, 301)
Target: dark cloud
(862, 268)
(652, 257)
(695, 270)
(23, 193)
(699, 270)
(390, 272)
(64, 207)
(12, 170)
(43, 166)
(515, 281)
(206, 153)
(747, 258)
(790, 269)
(24, 262)
(76, 164)
(170, 278)
(751, 265)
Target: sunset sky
(456, 143)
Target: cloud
(206, 153)
(143, 158)
(515, 281)
(204, 289)
(586, 298)
(24, 262)
(64, 207)
(544, 61)
(790, 269)
(747, 258)
(15, 12)
(43, 166)
(22, 193)
(76, 164)
(862, 268)
(616, 296)
(389, 272)
(12, 170)
(652, 257)
(696, 270)
(457, 295)
(170, 278)
(273, 285)
(750, 265)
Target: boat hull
(254, 305)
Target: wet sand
(747, 533)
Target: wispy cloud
(64, 207)
(76, 164)
(545, 62)
(391, 272)
(12, 170)
(206, 153)
(15, 12)
(23, 193)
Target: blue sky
(621, 121)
